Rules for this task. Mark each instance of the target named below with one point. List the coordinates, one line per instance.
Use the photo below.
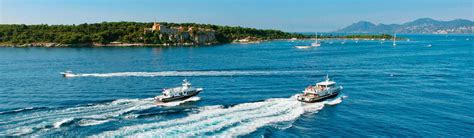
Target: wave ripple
(23, 123)
(191, 73)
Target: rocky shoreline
(100, 45)
(120, 44)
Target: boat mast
(394, 39)
(316, 37)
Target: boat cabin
(325, 84)
(186, 84)
(320, 91)
(178, 91)
(320, 86)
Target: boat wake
(237, 120)
(176, 103)
(336, 100)
(191, 73)
(36, 121)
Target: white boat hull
(303, 47)
(315, 45)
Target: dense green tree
(133, 32)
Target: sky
(286, 15)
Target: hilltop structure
(183, 33)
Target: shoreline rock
(52, 45)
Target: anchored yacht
(178, 93)
(321, 91)
(314, 44)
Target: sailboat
(394, 40)
(316, 43)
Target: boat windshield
(322, 87)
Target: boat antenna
(327, 77)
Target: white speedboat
(67, 74)
(178, 93)
(321, 91)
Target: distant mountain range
(420, 26)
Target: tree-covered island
(139, 34)
(131, 33)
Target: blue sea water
(407, 90)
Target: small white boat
(429, 45)
(316, 43)
(67, 74)
(293, 39)
(303, 47)
(394, 40)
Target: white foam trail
(93, 122)
(176, 103)
(238, 120)
(335, 101)
(313, 107)
(59, 123)
(22, 132)
(16, 125)
(207, 108)
(191, 73)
